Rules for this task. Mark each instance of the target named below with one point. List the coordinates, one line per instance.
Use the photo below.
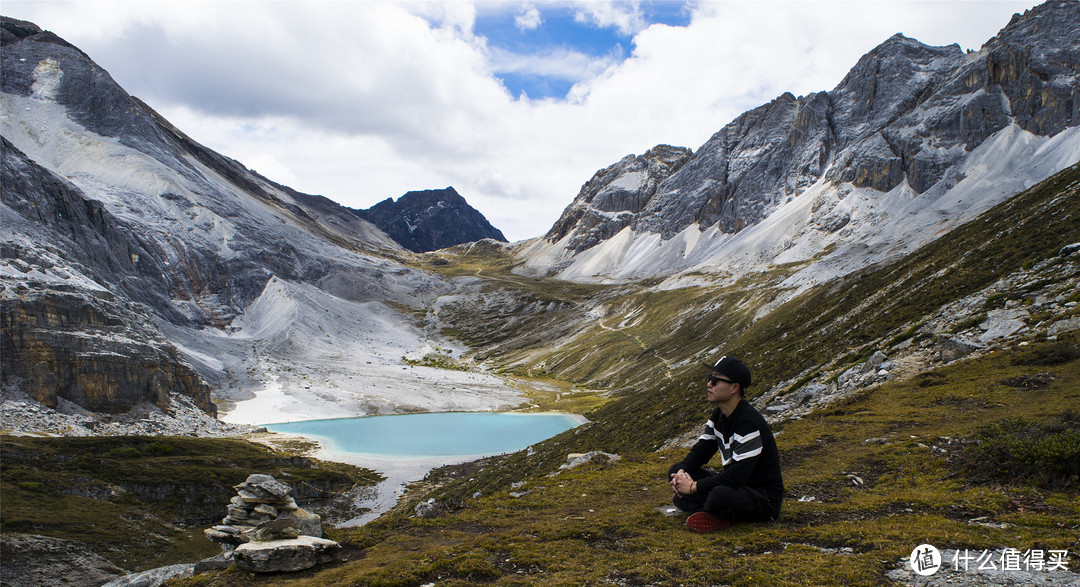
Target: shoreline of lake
(399, 470)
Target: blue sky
(514, 104)
(557, 30)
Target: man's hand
(682, 483)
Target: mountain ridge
(902, 124)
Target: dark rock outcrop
(430, 220)
(31, 561)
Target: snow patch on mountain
(885, 226)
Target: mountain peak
(428, 220)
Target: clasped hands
(682, 483)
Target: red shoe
(704, 522)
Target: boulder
(850, 376)
(288, 555)
(426, 509)
(955, 347)
(578, 459)
(875, 361)
(261, 488)
(1066, 325)
(1002, 324)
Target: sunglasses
(713, 379)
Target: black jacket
(747, 450)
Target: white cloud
(558, 62)
(360, 101)
(528, 18)
(624, 16)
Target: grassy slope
(598, 523)
(143, 502)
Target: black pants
(735, 504)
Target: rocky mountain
(913, 141)
(195, 273)
(430, 220)
(138, 266)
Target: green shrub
(33, 486)
(160, 449)
(1019, 450)
(124, 452)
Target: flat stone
(264, 487)
(222, 537)
(258, 519)
(1002, 329)
(217, 535)
(249, 496)
(954, 347)
(226, 529)
(266, 509)
(302, 521)
(285, 556)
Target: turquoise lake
(434, 434)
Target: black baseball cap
(733, 369)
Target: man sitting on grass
(749, 488)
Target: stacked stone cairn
(265, 531)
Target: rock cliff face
(74, 341)
(92, 350)
(907, 116)
(429, 220)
